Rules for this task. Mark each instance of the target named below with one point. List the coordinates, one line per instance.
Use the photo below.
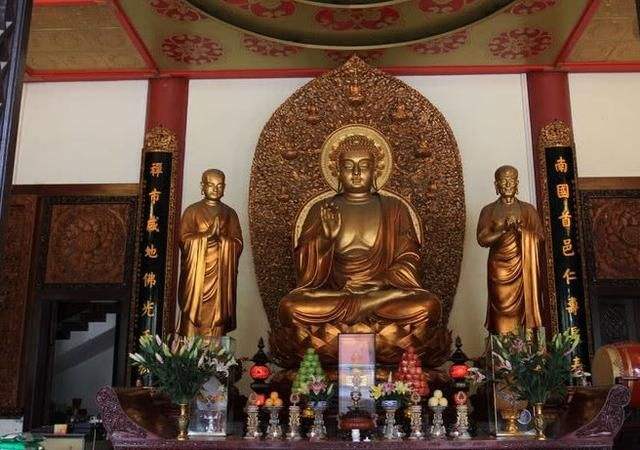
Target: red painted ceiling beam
(577, 31)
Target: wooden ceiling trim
(577, 31)
(133, 35)
(36, 76)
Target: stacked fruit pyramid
(309, 367)
(410, 371)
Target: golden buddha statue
(513, 231)
(357, 251)
(210, 244)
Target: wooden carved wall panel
(613, 322)
(611, 230)
(615, 230)
(87, 244)
(14, 287)
(611, 224)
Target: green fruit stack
(309, 367)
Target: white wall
(84, 132)
(605, 109)
(488, 118)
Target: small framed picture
(356, 369)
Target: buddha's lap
(387, 303)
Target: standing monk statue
(513, 231)
(211, 243)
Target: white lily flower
(159, 358)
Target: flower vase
(390, 407)
(318, 430)
(183, 422)
(538, 421)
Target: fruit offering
(309, 367)
(410, 371)
(273, 400)
(437, 399)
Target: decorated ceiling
(115, 39)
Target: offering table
(591, 420)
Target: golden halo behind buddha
(351, 136)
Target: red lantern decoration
(458, 371)
(259, 372)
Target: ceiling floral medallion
(442, 45)
(176, 10)
(443, 6)
(268, 48)
(520, 43)
(191, 49)
(267, 9)
(357, 19)
(368, 56)
(526, 7)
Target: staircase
(78, 316)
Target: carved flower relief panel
(615, 234)
(87, 243)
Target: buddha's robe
(334, 286)
(513, 272)
(209, 270)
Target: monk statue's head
(506, 181)
(358, 163)
(212, 184)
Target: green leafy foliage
(180, 365)
(534, 371)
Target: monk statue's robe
(209, 270)
(345, 285)
(513, 272)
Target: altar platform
(591, 419)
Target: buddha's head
(358, 163)
(506, 181)
(212, 184)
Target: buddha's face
(212, 185)
(507, 183)
(356, 170)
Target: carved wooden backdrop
(286, 173)
(611, 227)
(69, 248)
(14, 285)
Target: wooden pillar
(15, 16)
(160, 206)
(558, 203)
